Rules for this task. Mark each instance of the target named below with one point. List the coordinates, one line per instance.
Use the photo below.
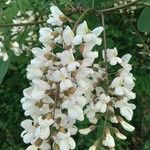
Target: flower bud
(126, 125)
(93, 147)
(120, 135)
(32, 147)
(113, 119)
(86, 131)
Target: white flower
(64, 141)
(16, 48)
(68, 59)
(126, 109)
(68, 36)
(101, 105)
(5, 56)
(46, 36)
(109, 141)
(125, 59)
(111, 55)
(43, 131)
(8, 2)
(113, 119)
(28, 133)
(117, 83)
(34, 93)
(41, 84)
(62, 77)
(74, 106)
(120, 135)
(93, 147)
(86, 131)
(34, 71)
(57, 17)
(126, 126)
(43, 146)
(32, 147)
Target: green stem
(80, 18)
(106, 70)
(120, 7)
(105, 52)
(144, 4)
(92, 4)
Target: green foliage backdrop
(124, 30)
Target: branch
(21, 24)
(81, 9)
(106, 68)
(80, 18)
(120, 7)
(105, 52)
(144, 4)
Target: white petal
(28, 137)
(45, 146)
(63, 145)
(113, 61)
(68, 35)
(119, 91)
(127, 126)
(120, 136)
(98, 41)
(110, 141)
(65, 84)
(72, 143)
(88, 37)
(45, 132)
(72, 113)
(93, 147)
(82, 28)
(26, 123)
(32, 147)
(97, 31)
(126, 112)
(85, 131)
(126, 58)
(77, 40)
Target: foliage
(124, 30)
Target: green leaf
(146, 1)
(3, 69)
(143, 23)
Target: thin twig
(105, 52)
(120, 7)
(21, 24)
(144, 4)
(106, 69)
(76, 10)
(80, 18)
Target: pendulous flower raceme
(66, 87)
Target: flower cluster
(67, 85)
(131, 9)
(3, 54)
(31, 37)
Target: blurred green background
(128, 31)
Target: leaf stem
(105, 52)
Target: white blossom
(57, 17)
